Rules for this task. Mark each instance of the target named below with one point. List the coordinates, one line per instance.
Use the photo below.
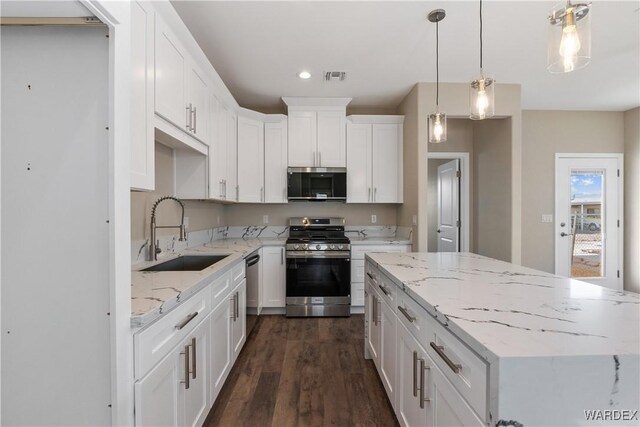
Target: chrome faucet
(154, 248)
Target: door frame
(620, 158)
(465, 201)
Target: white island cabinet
(483, 342)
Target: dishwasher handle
(253, 260)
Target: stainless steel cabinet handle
(422, 398)
(186, 320)
(237, 193)
(314, 159)
(385, 290)
(237, 310)
(233, 307)
(195, 118)
(374, 309)
(188, 125)
(194, 356)
(455, 367)
(262, 194)
(319, 158)
(563, 234)
(415, 379)
(221, 188)
(281, 256)
(186, 367)
(369, 196)
(375, 193)
(404, 311)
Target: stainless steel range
(318, 268)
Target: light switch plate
(547, 218)
(374, 219)
(265, 219)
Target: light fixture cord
(480, 36)
(437, 65)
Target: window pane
(587, 223)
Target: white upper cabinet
(222, 152)
(142, 97)
(303, 138)
(275, 161)
(182, 90)
(250, 160)
(317, 131)
(231, 179)
(374, 159)
(169, 76)
(332, 150)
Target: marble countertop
(505, 310)
(153, 293)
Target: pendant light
(437, 120)
(481, 99)
(569, 45)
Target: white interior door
(588, 238)
(449, 206)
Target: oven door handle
(334, 255)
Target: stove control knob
(340, 246)
(332, 247)
(306, 247)
(318, 247)
(296, 246)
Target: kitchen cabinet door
(407, 399)
(332, 148)
(198, 100)
(156, 395)
(142, 97)
(220, 349)
(302, 130)
(250, 160)
(218, 147)
(449, 407)
(388, 349)
(275, 162)
(387, 157)
(238, 325)
(196, 397)
(170, 81)
(372, 309)
(274, 271)
(231, 177)
(359, 163)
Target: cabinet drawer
(450, 355)
(413, 317)
(220, 288)
(386, 289)
(357, 270)
(237, 273)
(357, 252)
(154, 343)
(357, 294)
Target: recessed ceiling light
(304, 75)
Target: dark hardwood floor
(303, 372)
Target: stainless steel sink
(187, 263)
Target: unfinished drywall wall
(632, 200)
(545, 133)
(202, 215)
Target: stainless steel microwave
(317, 184)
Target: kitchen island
(500, 344)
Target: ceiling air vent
(334, 76)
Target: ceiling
(385, 47)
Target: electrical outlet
(265, 219)
(547, 218)
(415, 220)
(374, 219)
(186, 222)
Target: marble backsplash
(170, 244)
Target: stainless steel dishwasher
(253, 275)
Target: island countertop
(504, 310)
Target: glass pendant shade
(437, 127)
(481, 99)
(569, 46)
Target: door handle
(194, 356)
(422, 398)
(186, 367)
(438, 230)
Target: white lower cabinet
(239, 315)
(274, 270)
(181, 368)
(421, 394)
(357, 267)
(175, 392)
